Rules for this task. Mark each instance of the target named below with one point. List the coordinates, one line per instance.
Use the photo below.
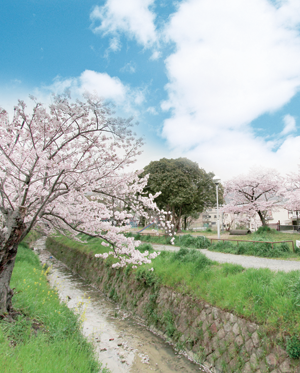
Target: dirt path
(244, 260)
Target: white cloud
(152, 110)
(289, 125)
(130, 67)
(115, 44)
(233, 61)
(101, 84)
(131, 16)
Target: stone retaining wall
(218, 339)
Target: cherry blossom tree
(292, 192)
(63, 168)
(257, 192)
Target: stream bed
(122, 343)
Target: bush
(293, 347)
(196, 242)
(231, 269)
(261, 249)
(265, 229)
(145, 247)
(184, 255)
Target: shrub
(231, 269)
(145, 247)
(263, 229)
(293, 347)
(185, 255)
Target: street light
(217, 180)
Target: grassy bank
(260, 295)
(262, 249)
(44, 335)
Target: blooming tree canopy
(292, 192)
(63, 168)
(257, 192)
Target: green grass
(187, 240)
(260, 295)
(45, 335)
(261, 249)
(281, 250)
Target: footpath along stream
(122, 343)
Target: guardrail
(237, 241)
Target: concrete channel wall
(217, 339)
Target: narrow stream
(122, 343)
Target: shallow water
(122, 343)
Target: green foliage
(293, 347)
(196, 242)
(193, 256)
(169, 324)
(264, 229)
(185, 188)
(46, 334)
(261, 249)
(186, 240)
(294, 289)
(231, 269)
(145, 247)
(146, 276)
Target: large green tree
(186, 189)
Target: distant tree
(292, 192)
(258, 192)
(60, 167)
(186, 189)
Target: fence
(284, 227)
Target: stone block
(285, 367)
(210, 318)
(239, 340)
(259, 353)
(251, 328)
(213, 328)
(232, 318)
(226, 357)
(263, 367)
(271, 361)
(255, 339)
(204, 326)
(202, 315)
(227, 327)
(216, 313)
(230, 337)
(215, 343)
(236, 329)
(232, 351)
(234, 364)
(247, 368)
(249, 346)
(221, 333)
(253, 361)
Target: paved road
(244, 260)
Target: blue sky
(212, 80)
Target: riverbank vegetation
(261, 248)
(42, 335)
(260, 295)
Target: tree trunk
(262, 218)
(185, 222)
(8, 251)
(6, 293)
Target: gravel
(244, 260)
